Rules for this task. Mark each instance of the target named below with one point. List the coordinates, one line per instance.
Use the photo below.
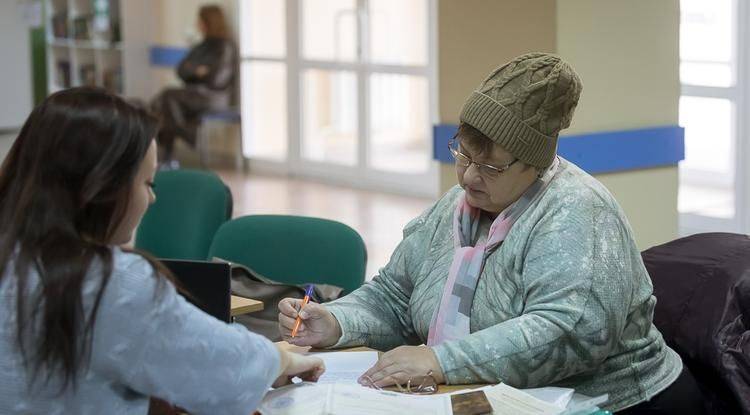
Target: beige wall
(476, 36)
(626, 53)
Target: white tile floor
(378, 217)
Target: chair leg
(203, 144)
(241, 161)
(238, 154)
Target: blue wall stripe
(602, 152)
(166, 56)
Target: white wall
(15, 75)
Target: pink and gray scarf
(452, 317)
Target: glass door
(711, 176)
(344, 92)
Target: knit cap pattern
(523, 105)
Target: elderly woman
(526, 273)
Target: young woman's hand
(319, 328)
(307, 368)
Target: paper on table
(350, 400)
(554, 395)
(582, 404)
(294, 399)
(345, 367)
(506, 400)
(341, 399)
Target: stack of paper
(559, 397)
(506, 400)
(346, 367)
(340, 399)
(337, 393)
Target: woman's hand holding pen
(318, 327)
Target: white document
(340, 399)
(345, 367)
(582, 404)
(506, 400)
(358, 400)
(559, 397)
(301, 398)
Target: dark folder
(208, 284)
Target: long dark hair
(214, 21)
(64, 189)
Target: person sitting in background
(526, 273)
(88, 327)
(208, 71)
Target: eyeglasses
(485, 170)
(418, 385)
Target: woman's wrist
(284, 360)
(437, 372)
(335, 335)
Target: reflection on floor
(378, 217)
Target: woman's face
(141, 196)
(493, 194)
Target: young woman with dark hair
(86, 326)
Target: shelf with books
(84, 43)
(85, 73)
(111, 71)
(111, 35)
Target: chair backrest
(190, 206)
(702, 286)
(294, 249)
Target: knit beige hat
(524, 104)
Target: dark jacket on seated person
(220, 57)
(702, 286)
(208, 71)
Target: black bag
(248, 283)
(702, 284)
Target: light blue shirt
(147, 341)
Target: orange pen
(308, 293)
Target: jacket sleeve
(188, 64)
(218, 56)
(578, 278)
(377, 314)
(222, 70)
(157, 344)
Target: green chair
(294, 249)
(190, 206)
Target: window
(711, 195)
(341, 89)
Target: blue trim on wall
(166, 56)
(602, 152)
